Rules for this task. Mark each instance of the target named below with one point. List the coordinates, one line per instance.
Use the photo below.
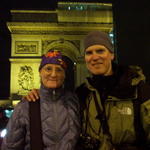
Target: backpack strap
(36, 142)
(102, 118)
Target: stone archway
(67, 48)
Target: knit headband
(53, 57)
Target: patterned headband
(53, 57)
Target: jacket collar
(121, 84)
(51, 94)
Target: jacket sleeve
(144, 95)
(15, 137)
(145, 111)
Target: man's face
(99, 60)
(52, 75)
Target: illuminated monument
(34, 32)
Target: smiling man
(98, 53)
(112, 99)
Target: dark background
(131, 30)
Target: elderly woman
(60, 120)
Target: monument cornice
(56, 28)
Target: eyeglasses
(50, 69)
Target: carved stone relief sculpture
(25, 79)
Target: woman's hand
(33, 95)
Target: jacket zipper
(55, 116)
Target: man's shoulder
(82, 92)
(81, 88)
(144, 91)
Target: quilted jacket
(59, 117)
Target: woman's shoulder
(69, 93)
(144, 91)
(71, 97)
(22, 105)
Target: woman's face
(52, 76)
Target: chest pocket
(120, 114)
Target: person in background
(60, 118)
(115, 100)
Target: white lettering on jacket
(125, 111)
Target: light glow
(3, 133)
